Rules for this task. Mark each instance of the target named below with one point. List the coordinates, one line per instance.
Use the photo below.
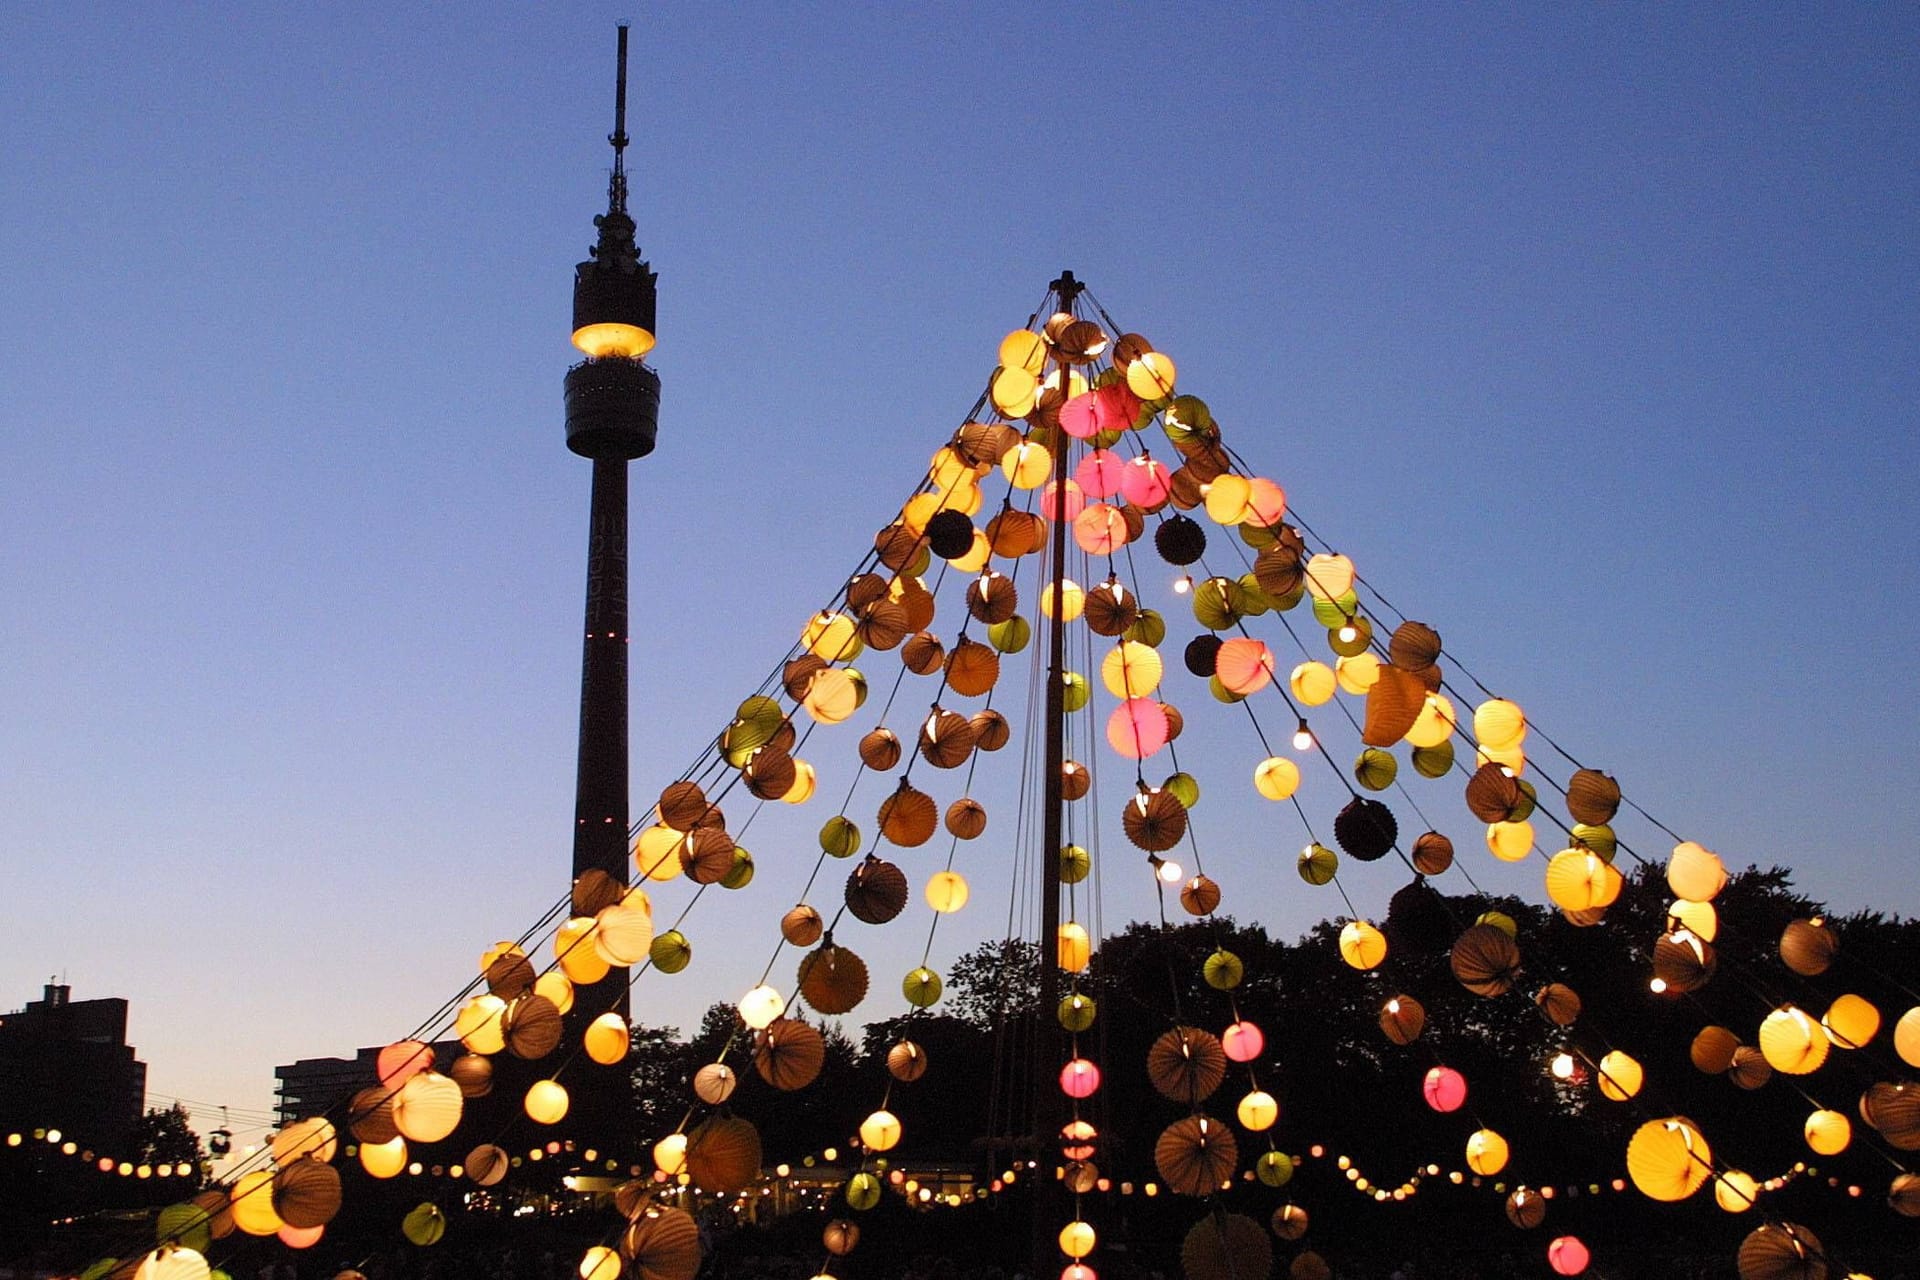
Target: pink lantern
(401, 1061)
(1242, 1042)
(1099, 473)
(1245, 666)
(300, 1237)
(1050, 505)
(1137, 728)
(1078, 416)
(1266, 502)
(1568, 1256)
(1079, 1078)
(1445, 1089)
(1079, 1271)
(1100, 530)
(1145, 482)
(1115, 407)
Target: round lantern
(427, 1108)
(1362, 945)
(1567, 1256)
(760, 1006)
(1079, 1078)
(880, 1131)
(1669, 1159)
(1791, 1041)
(1695, 872)
(1074, 947)
(547, 1102)
(1077, 1239)
(1850, 1022)
(607, 1039)
(1829, 1132)
(1620, 1076)
(1486, 1152)
(1906, 1037)
(480, 1024)
(1276, 777)
(1444, 1089)
(1735, 1191)
(1510, 841)
(252, 1201)
(1242, 1041)
(384, 1159)
(600, 1263)
(1313, 683)
(1258, 1111)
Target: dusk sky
(1592, 334)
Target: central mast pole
(1046, 1032)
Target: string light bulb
(1348, 632)
(1183, 584)
(1303, 737)
(1167, 870)
(1562, 1066)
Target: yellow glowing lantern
(1313, 683)
(573, 948)
(1851, 1021)
(1699, 917)
(1329, 576)
(880, 1131)
(555, 986)
(670, 1155)
(948, 470)
(1151, 376)
(1580, 880)
(1695, 872)
(1027, 466)
(251, 1202)
(1074, 947)
(1498, 723)
(1227, 498)
(547, 1102)
(1620, 1076)
(1024, 349)
(832, 696)
(1792, 1042)
(760, 1006)
(607, 1039)
(1258, 1111)
(1669, 1159)
(312, 1138)
(1276, 777)
(657, 852)
(1512, 759)
(384, 1159)
(178, 1262)
(1829, 1132)
(1735, 1191)
(976, 556)
(1015, 391)
(428, 1106)
(479, 1024)
(1362, 946)
(1358, 673)
(1906, 1037)
(1510, 841)
(601, 1263)
(1131, 670)
(805, 779)
(1073, 598)
(623, 933)
(831, 637)
(1435, 723)
(947, 892)
(1486, 1152)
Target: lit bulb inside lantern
(1657, 985)
(1182, 585)
(1349, 633)
(1303, 736)
(1562, 1066)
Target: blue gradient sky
(1590, 333)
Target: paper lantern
(656, 854)
(1077, 1239)
(1850, 1022)
(1712, 1049)
(1258, 1111)
(1073, 948)
(1559, 1002)
(1568, 1256)
(1186, 1064)
(384, 1159)
(300, 1237)
(788, 1054)
(1079, 1078)
(1357, 674)
(1526, 1209)
(1244, 666)
(1749, 1069)
(547, 1102)
(424, 1225)
(313, 1138)
(1226, 1246)
(663, 1244)
(1444, 1089)
(1682, 961)
(1792, 1041)
(1317, 864)
(533, 1029)
(1903, 1195)
(1242, 1042)
(398, 1061)
(1329, 576)
(1698, 917)
(1486, 1152)
(1150, 376)
(723, 1154)
(922, 987)
(1199, 896)
(1131, 670)
(876, 890)
(1313, 683)
(1375, 769)
(1669, 1159)
(607, 1039)
(190, 1225)
(1782, 1251)
(839, 1237)
(1276, 778)
(427, 1107)
(1154, 820)
(1695, 872)
(1828, 1132)
(306, 1194)
(1499, 723)
(1808, 947)
(487, 1165)
(1365, 829)
(1432, 853)
(252, 1201)
(1362, 945)
(1485, 960)
(1290, 1222)
(1510, 841)
(670, 1155)
(1620, 1076)
(1434, 723)
(1735, 1192)
(600, 1263)
(573, 946)
(1402, 1018)
(170, 1262)
(863, 1191)
(1580, 880)
(1906, 1037)
(1222, 969)
(1195, 1155)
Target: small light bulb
(1170, 872)
(1303, 736)
(1562, 1066)
(1349, 633)
(1657, 985)
(1182, 584)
